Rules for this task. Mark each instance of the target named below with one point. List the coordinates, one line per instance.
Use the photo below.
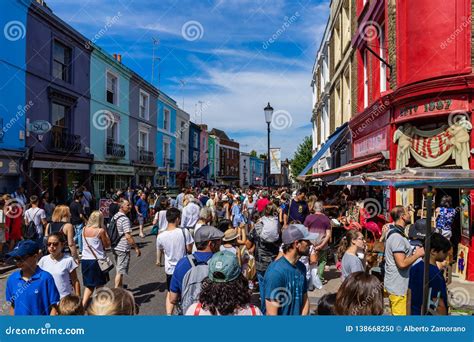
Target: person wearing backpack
(35, 220)
(265, 241)
(191, 270)
(122, 241)
(399, 256)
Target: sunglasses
(53, 244)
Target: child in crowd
(71, 305)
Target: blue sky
(233, 55)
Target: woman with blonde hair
(112, 302)
(61, 223)
(96, 241)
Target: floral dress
(444, 221)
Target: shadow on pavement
(145, 292)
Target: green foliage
(253, 153)
(302, 156)
(263, 156)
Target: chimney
(115, 56)
(119, 58)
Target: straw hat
(230, 234)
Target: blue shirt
(142, 207)
(298, 211)
(32, 297)
(287, 284)
(237, 216)
(183, 266)
(437, 285)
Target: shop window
(112, 86)
(61, 62)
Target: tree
(263, 156)
(253, 153)
(302, 156)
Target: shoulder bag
(105, 264)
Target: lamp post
(268, 119)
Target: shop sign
(40, 126)
(373, 143)
(104, 204)
(12, 167)
(433, 148)
(8, 167)
(113, 169)
(431, 106)
(43, 164)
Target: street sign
(40, 127)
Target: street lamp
(268, 119)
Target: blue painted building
(109, 122)
(194, 152)
(13, 104)
(166, 141)
(257, 170)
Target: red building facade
(415, 92)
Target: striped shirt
(123, 226)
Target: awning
(413, 178)
(331, 139)
(345, 168)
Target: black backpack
(30, 232)
(113, 233)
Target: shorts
(168, 281)
(141, 220)
(122, 262)
(2, 236)
(398, 305)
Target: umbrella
(416, 178)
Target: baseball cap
(207, 233)
(224, 267)
(296, 232)
(24, 248)
(417, 230)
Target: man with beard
(399, 256)
(286, 287)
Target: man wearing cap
(30, 291)
(286, 288)
(208, 241)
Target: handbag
(105, 264)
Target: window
(366, 80)
(182, 130)
(383, 67)
(143, 140)
(112, 88)
(61, 61)
(166, 119)
(195, 138)
(144, 105)
(59, 117)
(112, 132)
(181, 156)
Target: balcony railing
(168, 162)
(145, 156)
(65, 142)
(184, 167)
(115, 150)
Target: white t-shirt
(60, 270)
(174, 245)
(36, 214)
(160, 218)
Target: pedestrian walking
(399, 256)
(350, 250)
(78, 218)
(20, 196)
(86, 201)
(47, 205)
(122, 249)
(444, 216)
(13, 212)
(175, 242)
(298, 209)
(37, 217)
(61, 224)
(113, 302)
(191, 210)
(360, 294)
(142, 206)
(225, 291)
(96, 241)
(71, 305)
(61, 266)
(286, 287)
(191, 270)
(30, 290)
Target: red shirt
(262, 203)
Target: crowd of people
(224, 252)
